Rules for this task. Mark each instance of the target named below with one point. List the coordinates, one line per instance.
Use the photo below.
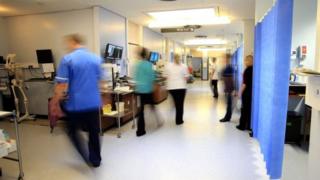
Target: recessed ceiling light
(205, 42)
(178, 18)
(4, 9)
(211, 49)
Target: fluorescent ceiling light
(205, 42)
(4, 9)
(211, 49)
(186, 17)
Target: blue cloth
(144, 77)
(271, 83)
(228, 71)
(82, 71)
(228, 78)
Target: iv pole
(17, 86)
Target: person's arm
(243, 86)
(62, 80)
(154, 75)
(60, 90)
(100, 74)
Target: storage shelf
(122, 114)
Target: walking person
(214, 78)
(78, 78)
(144, 77)
(177, 74)
(246, 96)
(228, 78)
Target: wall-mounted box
(313, 92)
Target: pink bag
(54, 112)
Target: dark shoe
(140, 133)
(251, 134)
(179, 123)
(94, 164)
(224, 120)
(240, 128)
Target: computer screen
(157, 56)
(113, 52)
(119, 52)
(151, 56)
(2, 61)
(44, 56)
(154, 57)
(110, 51)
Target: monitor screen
(120, 50)
(44, 56)
(151, 56)
(154, 57)
(110, 50)
(113, 52)
(157, 56)
(2, 61)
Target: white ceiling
(230, 32)
(135, 10)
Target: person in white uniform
(177, 74)
(214, 78)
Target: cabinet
(38, 93)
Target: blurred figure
(78, 78)
(228, 79)
(191, 77)
(177, 75)
(246, 96)
(145, 78)
(190, 69)
(214, 78)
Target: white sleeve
(186, 71)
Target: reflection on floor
(201, 149)
(295, 165)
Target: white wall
(262, 7)
(317, 59)
(135, 33)
(304, 29)
(153, 41)
(46, 31)
(112, 29)
(3, 38)
(248, 37)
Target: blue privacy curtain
(237, 62)
(271, 83)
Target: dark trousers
(88, 120)
(178, 96)
(245, 118)
(214, 87)
(228, 115)
(144, 100)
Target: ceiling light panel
(4, 9)
(205, 42)
(212, 49)
(177, 18)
